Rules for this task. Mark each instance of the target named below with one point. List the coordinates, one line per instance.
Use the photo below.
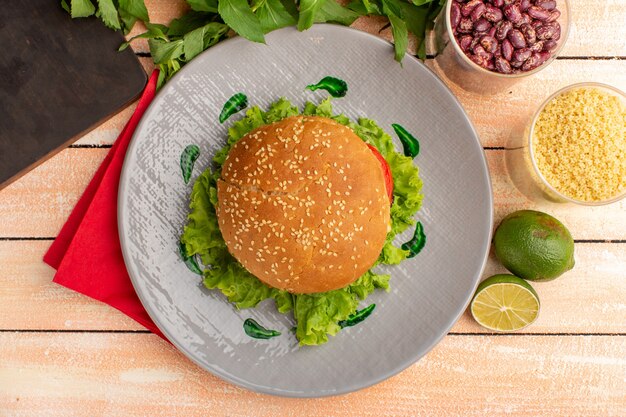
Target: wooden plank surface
(140, 375)
(589, 299)
(38, 204)
(571, 362)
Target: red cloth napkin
(87, 253)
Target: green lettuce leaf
(317, 315)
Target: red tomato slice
(386, 171)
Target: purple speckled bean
(502, 65)
(481, 25)
(525, 20)
(507, 50)
(516, 64)
(498, 3)
(476, 59)
(493, 14)
(503, 29)
(522, 54)
(544, 56)
(480, 52)
(538, 13)
(492, 31)
(512, 12)
(546, 4)
(546, 31)
(524, 5)
(498, 51)
(536, 46)
(455, 15)
(531, 63)
(549, 45)
(536, 23)
(465, 26)
(465, 41)
(489, 43)
(529, 34)
(517, 39)
(557, 32)
(554, 14)
(467, 8)
(478, 11)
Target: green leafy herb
(187, 160)
(356, 318)
(334, 86)
(238, 15)
(108, 13)
(203, 5)
(255, 330)
(417, 243)
(163, 51)
(308, 11)
(250, 19)
(233, 105)
(82, 8)
(273, 15)
(410, 145)
(331, 11)
(190, 261)
(399, 30)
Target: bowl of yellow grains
(577, 145)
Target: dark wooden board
(59, 78)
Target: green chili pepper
(357, 317)
(187, 159)
(409, 143)
(254, 329)
(415, 245)
(335, 87)
(190, 261)
(234, 104)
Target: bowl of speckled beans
(575, 146)
(486, 46)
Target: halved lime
(505, 303)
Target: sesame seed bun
(302, 204)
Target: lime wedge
(505, 303)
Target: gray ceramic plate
(428, 293)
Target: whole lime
(534, 245)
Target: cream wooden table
(62, 354)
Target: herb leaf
(203, 5)
(199, 39)
(134, 8)
(163, 51)
(308, 11)
(273, 15)
(65, 6)
(238, 15)
(108, 14)
(155, 31)
(332, 11)
(398, 28)
(82, 8)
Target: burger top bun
(302, 204)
